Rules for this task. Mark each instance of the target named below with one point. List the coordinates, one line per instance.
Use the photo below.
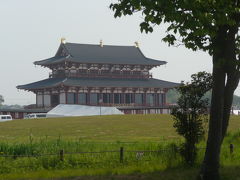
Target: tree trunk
(232, 82)
(224, 59)
(232, 70)
(210, 167)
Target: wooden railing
(94, 74)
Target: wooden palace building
(101, 75)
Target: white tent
(236, 112)
(81, 110)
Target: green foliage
(191, 22)
(191, 112)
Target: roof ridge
(98, 44)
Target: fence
(61, 154)
(85, 159)
(121, 156)
(121, 152)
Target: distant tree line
(173, 96)
(15, 106)
(1, 100)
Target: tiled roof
(88, 53)
(99, 82)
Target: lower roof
(99, 82)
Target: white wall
(152, 111)
(166, 111)
(62, 98)
(47, 100)
(39, 100)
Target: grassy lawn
(121, 174)
(98, 133)
(92, 128)
(179, 173)
(114, 128)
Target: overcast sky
(31, 30)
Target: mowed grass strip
(112, 128)
(124, 173)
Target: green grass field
(92, 128)
(128, 128)
(101, 133)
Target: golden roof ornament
(63, 40)
(101, 43)
(136, 44)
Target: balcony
(107, 74)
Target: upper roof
(99, 82)
(88, 53)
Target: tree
(190, 114)
(208, 25)
(1, 99)
(172, 96)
